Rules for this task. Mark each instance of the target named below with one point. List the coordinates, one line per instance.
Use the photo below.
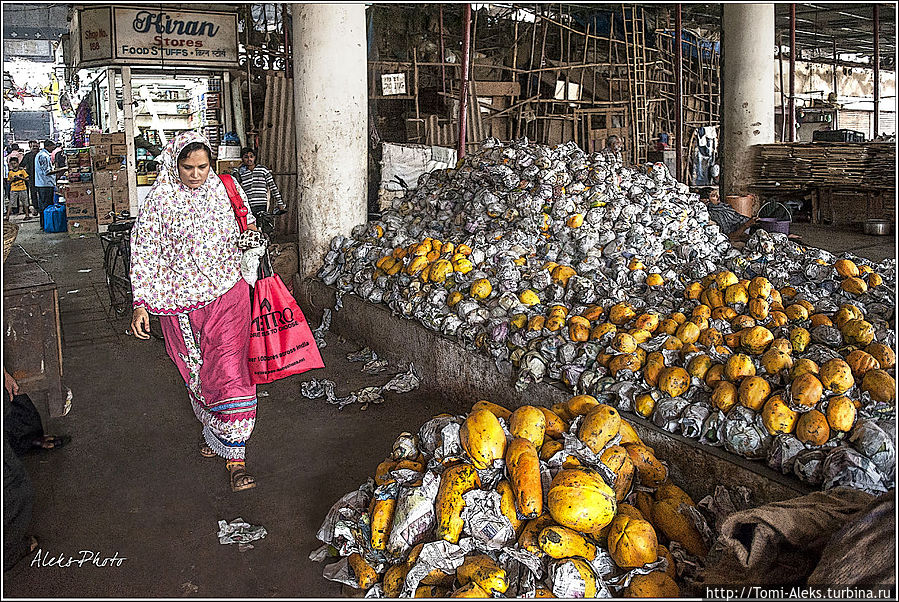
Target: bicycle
(116, 243)
(265, 220)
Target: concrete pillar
(747, 90)
(330, 104)
(113, 103)
(130, 160)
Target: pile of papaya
(586, 499)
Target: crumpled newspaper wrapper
(484, 521)
(568, 583)
(845, 467)
(373, 364)
(376, 591)
(523, 571)
(724, 502)
(239, 531)
(439, 438)
(363, 355)
(619, 583)
(713, 429)
(809, 466)
(668, 412)
(876, 444)
(693, 418)
(438, 555)
(413, 516)
(375, 367)
(783, 451)
(745, 433)
(403, 382)
(405, 447)
(319, 333)
(339, 530)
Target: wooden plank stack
(870, 165)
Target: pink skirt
(210, 347)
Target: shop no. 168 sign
(156, 36)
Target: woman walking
(185, 268)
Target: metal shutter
(856, 120)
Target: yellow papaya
(365, 574)
(599, 426)
(632, 542)
(528, 422)
(456, 481)
(524, 474)
(561, 542)
(483, 570)
(677, 527)
(482, 438)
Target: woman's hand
(12, 387)
(140, 323)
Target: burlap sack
(780, 543)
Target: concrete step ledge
(448, 368)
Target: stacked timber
(870, 165)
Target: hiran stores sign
(130, 35)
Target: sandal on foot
(205, 450)
(240, 478)
(48, 442)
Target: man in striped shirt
(257, 182)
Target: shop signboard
(133, 35)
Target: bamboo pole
(783, 108)
(519, 125)
(679, 93)
(514, 43)
(415, 81)
(442, 54)
(876, 70)
(463, 94)
(792, 97)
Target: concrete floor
(839, 239)
(131, 482)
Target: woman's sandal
(48, 442)
(205, 450)
(240, 478)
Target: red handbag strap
(240, 210)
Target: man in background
(28, 162)
(45, 178)
(257, 182)
(58, 156)
(731, 222)
(614, 149)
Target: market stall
(159, 85)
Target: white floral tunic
(183, 245)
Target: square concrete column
(331, 107)
(747, 90)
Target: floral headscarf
(183, 245)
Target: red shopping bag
(281, 343)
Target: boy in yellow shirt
(18, 188)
